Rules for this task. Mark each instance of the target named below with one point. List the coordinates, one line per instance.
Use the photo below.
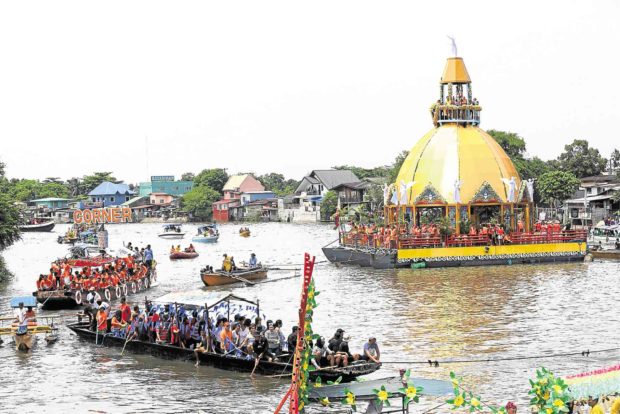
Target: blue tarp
(27, 300)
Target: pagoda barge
(458, 200)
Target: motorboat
(172, 231)
(207, 234)
(37, 225)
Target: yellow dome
(464, 153)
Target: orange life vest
(102, 321)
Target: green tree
(511, 142)
(9, 221)
(581, 160)
(531, 168)
(556, 186)
(363, 173)
(278, 184)
(215, 178)
(198, 202)
(398, 162)
(329, 204)
(188, 176)
(75, 186)
(53, 189)
(89, 182)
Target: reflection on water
(416, 315)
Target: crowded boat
(224, 331)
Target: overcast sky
(289, 86)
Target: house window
(126, 198)
(112, 199)
(161, 201)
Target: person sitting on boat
(202, 346)
(253, 262)
(291, 341)
(322, 354)
(346, 354)
(30, 316)
(226, 339)
(283, 341)
(172, 249)
(226, 264)
(190, 249)
(233, 266)
(273, 339)
(245, 337)
(117, 324)
(371, 351)
(334, 346)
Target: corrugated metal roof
(235, 182)
(50, 199)
(333, 178)
(107, 188)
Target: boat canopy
(364, 390)
(26, 300)
(207, 226)
(604, 381)
(218, 304)
(172, 225)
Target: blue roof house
(110, 194)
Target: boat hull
(244, 234)
(202, 239)
(226, 362)
(171, 236)
(218, 279)
(43, 227)
(383, 259)
(183, 255)
(67, 299)
(24, 342)
(606, 254)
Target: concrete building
(165, 184)
(230, 206)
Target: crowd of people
(241, 337)
(387, 237)
(120, 271)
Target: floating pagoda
(457, 178)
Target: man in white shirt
(20, 313)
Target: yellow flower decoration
(311, 294)
(549, 410)
(475, 402)
(350, 398)
(382, 395)
(411, 392)
(547, 395)
(305, 366)
(458, 400)
(558, 403)
(324, 401)
(557, 389)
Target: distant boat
(207, 234)
(172, 231)
(220, 277)
(183, 255)
(40, 227)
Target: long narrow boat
(66, 299)
(227, 362)
(183, 255)
(25, 334)
(39, 227)
(220, 277)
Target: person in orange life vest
(115, 280)
(30, 316)
(102, 321)
(130, 264)
(87, 271)
(51, 280)
(118, 326)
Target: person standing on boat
(253, 262)
(125, 310)
(20, 313)
(148, 256)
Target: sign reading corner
(103, 215)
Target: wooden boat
(39, 227)
(24, 335)
(227, 362)
(220, 277)
(610, 254)
(183, 255)
(70, 298)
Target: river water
(416, 315)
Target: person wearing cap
(511, 408)
(371, 351)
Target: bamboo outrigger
(24, 334)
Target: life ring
(78, 297)
(125, 289)
(118, 291)
(146, 283)
(107, 294)
(133, 287)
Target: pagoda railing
(376, 240)
(459, 114)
